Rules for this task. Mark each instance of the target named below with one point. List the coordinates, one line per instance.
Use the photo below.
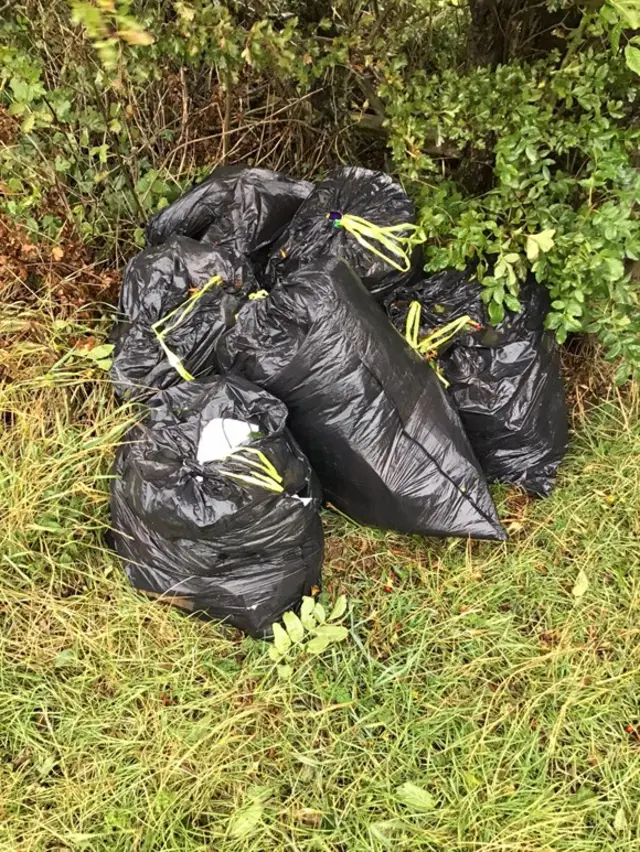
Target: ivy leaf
(414, 797)
(285, 671)
(339, 608)
(294, 627)
(281, 639)
(581, 585)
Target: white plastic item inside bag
(221, 435)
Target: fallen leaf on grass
(581, 585)
(414, 797)
(246, 819)
(620, 822)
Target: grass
(471, 670)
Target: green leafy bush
(518, 144)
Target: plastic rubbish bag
(218, 519)
(361, 216)
(235, 208)
(175, 300)
(505, 380)
(370, 414)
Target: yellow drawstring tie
(398, 240)
(429, 345)
(267, 477)
(259, 294)
(183, 312)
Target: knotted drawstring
(398, 240)
(259, 294)
(183, 312)
(428, 347)
(268, 477)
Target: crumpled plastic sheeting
(236, 208)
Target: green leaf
(65, 659)
(496, 313)
(285, 671)
(616, 266)
(581, 585)
(104, 364)
(620, 822)
(500, 269)
(623, 374)
(294, 627)
(629, 10)
(317, 645)
(281, 639)
(332, 632)
(306, 613)
(414, 797)
(533, 249)
(308, 605)
(245, 821)
(17, 108)
(98, 352)
(29, 123)
(512, 257)
(319, 613)
(512, 303)
(339, 608)
(274, 654)
(544, 239)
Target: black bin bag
(370, 414)
(175, 300)
(329, 224)
(236, 208)
(505, 380)
(214, 506)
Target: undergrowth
(516, 132)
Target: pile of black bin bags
(253, 336)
